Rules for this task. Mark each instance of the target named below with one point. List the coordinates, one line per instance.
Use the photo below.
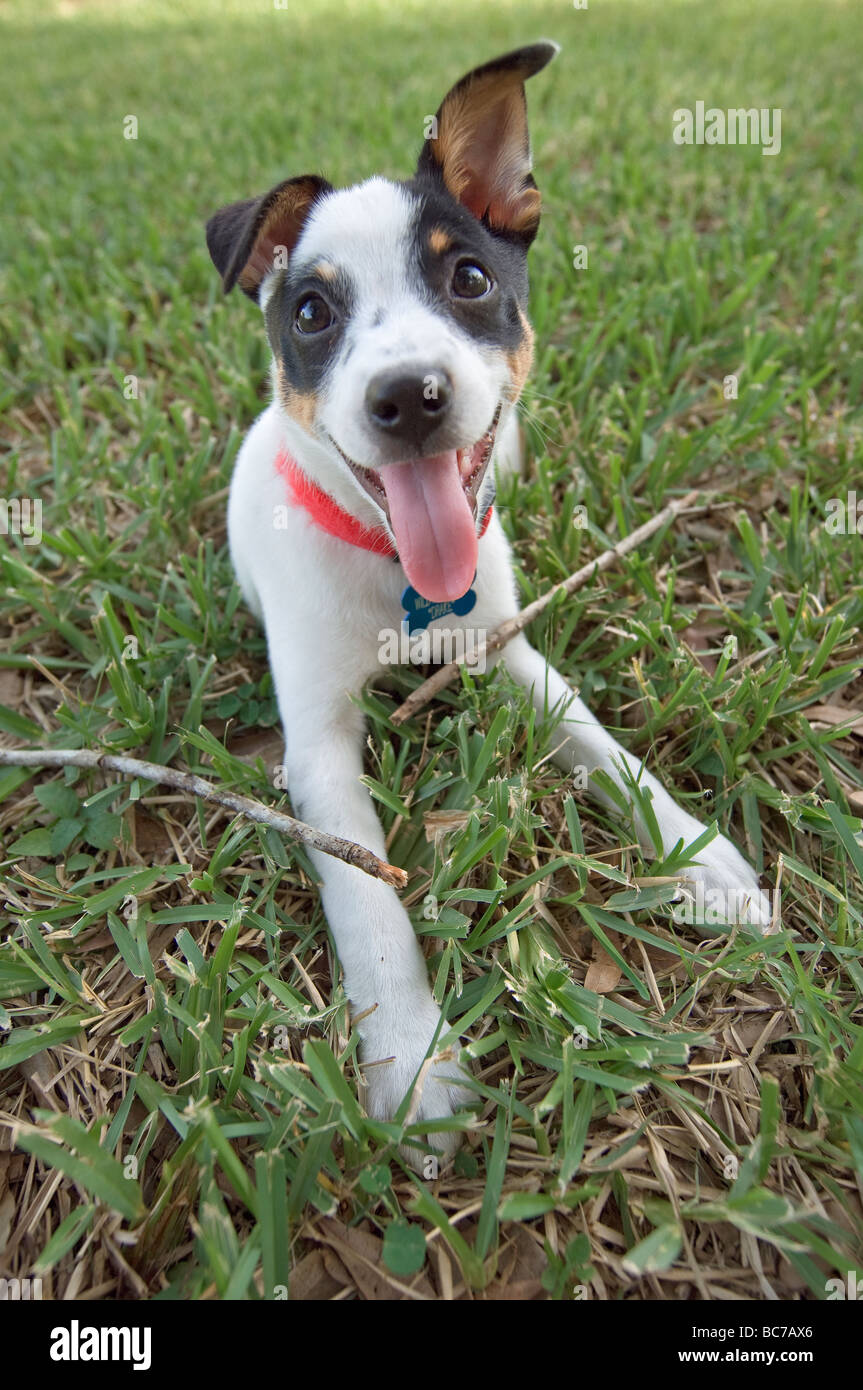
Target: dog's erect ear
(248, 240)
(480, 144)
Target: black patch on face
(494, 318)
(306, 358)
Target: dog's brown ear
(480, 146)
(247, 240)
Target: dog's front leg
(581, 742)
(385, 974)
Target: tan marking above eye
(325, 271)
(439, 241)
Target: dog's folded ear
(248, 240)
(479, 143)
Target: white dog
(396, 317)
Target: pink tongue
(433, 525)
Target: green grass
(177, 1056)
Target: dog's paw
(435, 1083)
(437, 1095)
(721, 890)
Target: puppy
(363, 495)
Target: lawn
(659, 1117)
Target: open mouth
(431, 505)
(472, 465)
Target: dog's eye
(313, 315)
(470, 281)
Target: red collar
(330, 517)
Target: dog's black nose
(408, 406)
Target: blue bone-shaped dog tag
(419, 611)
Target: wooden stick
(191, 785)
(512, 626)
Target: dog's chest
(365, 601)
(333, 598)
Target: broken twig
(187, 782)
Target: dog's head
(396, 316)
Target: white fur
(325, 603)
